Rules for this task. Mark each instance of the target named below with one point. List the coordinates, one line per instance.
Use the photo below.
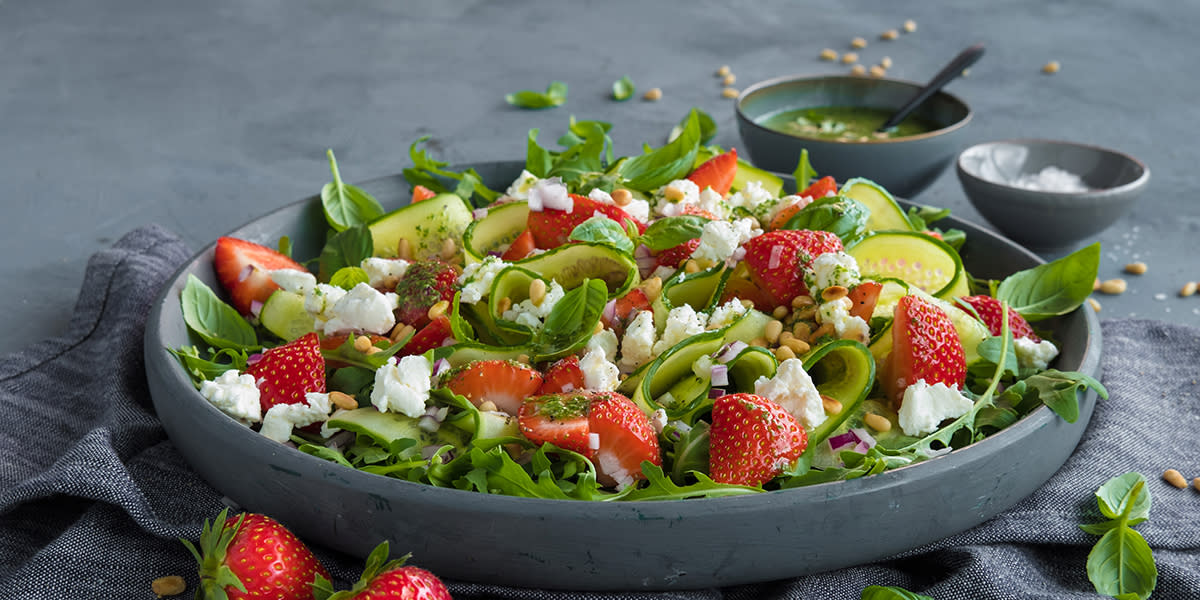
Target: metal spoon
(952, 70)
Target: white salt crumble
(1051, 179)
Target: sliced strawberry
(777, 260)
(564, 376)
(520, 248)
(925, 346)
(692, 209)
(674, 256)
(424, 284)
(421, 192)
(744, 289)
(552, 228)
(559, 419)
(991, 312)
(505, 383)
(433, 335)
(933, 234)
(864, 296)
(717, 172)
(286, 373)
(242, 268)
(819, 189)
(752, 439)
(626, 438)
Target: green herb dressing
(844, 123)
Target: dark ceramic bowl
(904, 165)
(579, 545)
(1042, 218)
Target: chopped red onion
(842, 440)
(719, 374)
(716, 392)
(440, 366)
(731, 351)
(255, 307)
(480, 213)
(864, 436)
(609, 314)
(642, 251)
(646, 264)
(253, 359)
(861, 447)
(448, 341)
(245, 273)
(428, 451)
(776, 255)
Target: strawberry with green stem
(382, 579)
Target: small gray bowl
(1054, 215)
(904, 165)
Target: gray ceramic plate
(608, 546)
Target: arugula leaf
(538, 160)
(347, 248)
(804, 173)
(499, 473)
(346, 205)
(656, 168)
(672, 231)
(1060, 390)
(213, 320)
(622, 89)
(1000, 352)
(570, 323)
(880, 592)
(1054, 288)
(432, 173)
(348, 277)
(660, 487)
(460, 328)
(347, 354)
(603, 230)
(1121, 563)
(555, 95)
(708, 128)
(201, 369)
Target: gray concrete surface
(203, 115)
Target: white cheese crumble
(1034, 354)
(726, 314)
(403, 386)
(637, 347)
(292, 280)
(685, 188)
(719, 240)
(320, 302)
(793, 389)
(925, 406)
(845, 325)
(281, 418)
(605, 341)
(637, 208)
(476, 279)
(363, 308)
(550, 193)
(830, 269)
(519, 190)
(531, 315)
(682, 322)
(598, 372)
(235, 394)
(752, 197)
(383, 270)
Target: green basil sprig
(1054, 288)
(346, 205)
(1121, 564)
(213, 320)
(657, 168)
(555, 95)
(887, 592)
(622, 89)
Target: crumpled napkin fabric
(93, 496)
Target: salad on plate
(668, 325)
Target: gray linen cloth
(93, 496)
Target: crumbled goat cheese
(726, 314)
(519, 190)
(383, 270)
(605, 341)
(830, 269)
(531, 315)
(598, 372)
(637, 347)
(476, 279)
(1034, 354)
(793, 389)
(292, 280)
(682, 322)
(845, 325)
(719, 240)
(363, 308)
(550, 193)
(403, 386)
(235, 394)
(925, 406)
(282, 418)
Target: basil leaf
(348, 277)
(347, 248)
(672, 231)
(346, 205)
(570, 323)
(804, 173)
(989, 349)
(213, 320)
(577, 131)
(657, 168)
(538, 160)
(880, 592)
(555, 95)
(1121, 565)
(586, 156)
(603, 230)
(1055, 288)
(431, 173)
(1116, 497)
(921, 216)
(622, 89)
(1060, 390)
(708, 128)
(460, 328)
(844, 217)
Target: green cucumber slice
(700, 290)
(283, 314)
(924, 262)
(844, 370)
(569, 265)
(495, 231)
(426, 225)
(385, 428)
(886, 213)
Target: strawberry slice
(505, 383)
(777, 260)
(925, 346)
(991, 312)
(559, 419)
(551, 227)
(432, 335)
(520, 248)
(242, 268)
(424, 284)
(864, 296)
(564, 376)
(819, 189)
(421, 192)
(674, 256)
(752, 439)
(286, 373)
(717, 172)
(626, 439)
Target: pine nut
(749, 304)
(404, 249)
(785, 336)
(800, 301)
(730, 92)
(780, 312)
(449, 249)
(877, 71)
(673, 194)
(831, 405)
(343, 400)
(1051, 67)
(858, 70)
(652, 288)
(807, 314)
(723, 71)
(523, 358)
(890, 34)
(759, 342)
(829, 54)
(1096, 284)
(622, 197)
(1188, 289)
(858, 43)
(691, 266)
(1094, 303)
(373, 350)
(1175, 478)
(850, 58)
(877, 422)
(729, 79)
(1196, 483)
(487, 406)
(171, 585)
(886, 62)
(783, 353)
(598, 328)
(1135, 268)
(797, 346)
(537, 291)
(653, 94)
(361, 343)
(1113, 286)
(503, 304)
(401, 331)
(438, 309)
(910, 26)
(822, 331)
(773, 329)
(802, 330)
(834, 292)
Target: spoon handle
(953, 69)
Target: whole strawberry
(286, 373)
(990, 311)
(777, 260)
(388, 580)
(252, 556)
(424, 284)
(752, 439)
